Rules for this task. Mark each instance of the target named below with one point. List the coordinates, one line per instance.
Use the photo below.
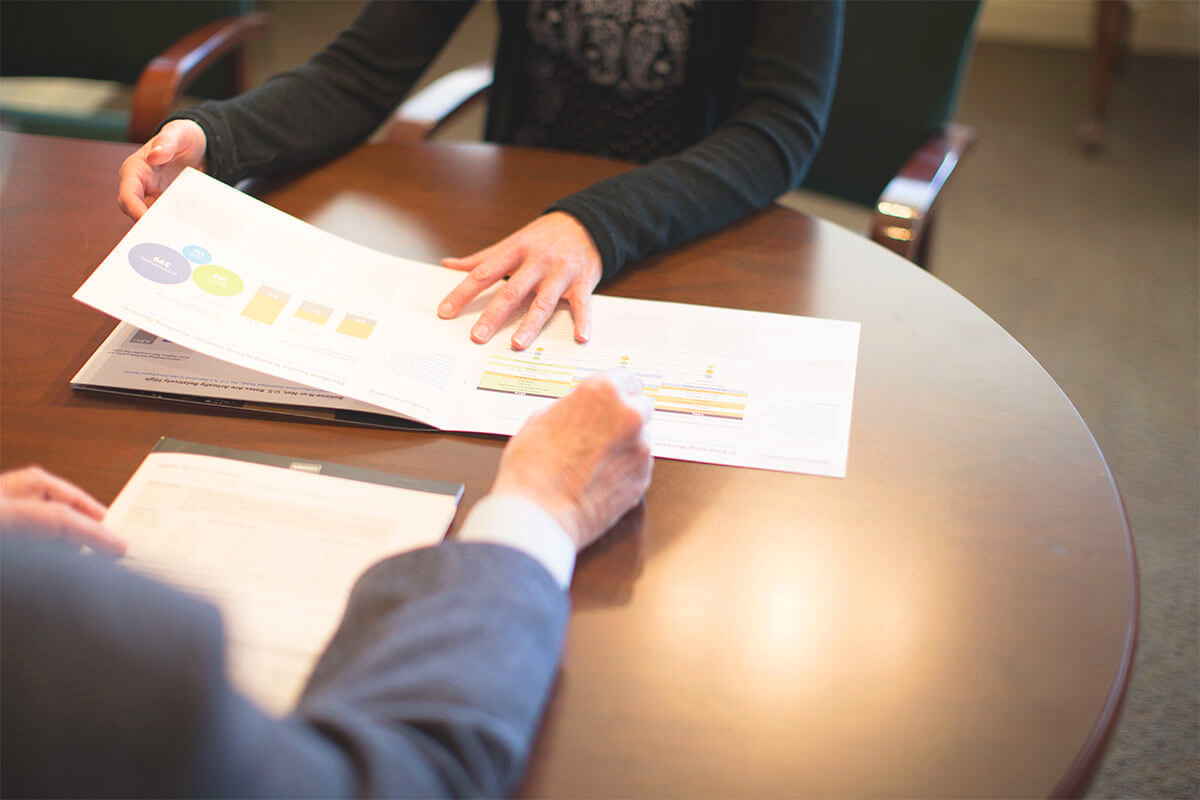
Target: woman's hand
(149, 171)
(552, 257)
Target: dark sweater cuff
(612, 259)
(219, 152)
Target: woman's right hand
(149, 171)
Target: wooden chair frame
(169, 74)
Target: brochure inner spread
(225, 275)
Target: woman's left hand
(553, 258)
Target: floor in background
(1092, 263)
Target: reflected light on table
(784, 625)
(375, 223)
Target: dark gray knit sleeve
(760, 152)
(334, 101)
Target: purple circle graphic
(159, 263)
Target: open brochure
(275, 542)
(134, 362)
(225, 275)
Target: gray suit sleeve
(433, 685)
(437, 678)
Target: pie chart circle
(159, 263)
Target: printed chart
(220, 273)
(162, 264)
(692, 390)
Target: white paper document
(225, 275)
(275, 543)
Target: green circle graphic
(217, 280)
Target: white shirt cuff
(518, 522)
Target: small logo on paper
(305, 466)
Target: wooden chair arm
(168, 75)
(902, 216)
(423, 113)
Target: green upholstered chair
(890, 144)
(156, 49)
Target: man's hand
(552, 257)
(586, 458)
(149, 171)
(44, 505)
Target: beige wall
(1159, 26)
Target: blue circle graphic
(197, 254)
(159, 263)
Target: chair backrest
(903, 63)
(111, 40)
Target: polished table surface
(956, 617)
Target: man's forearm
(436, 679)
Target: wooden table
(957, 617)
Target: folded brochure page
(275, 542)
(131, 361)
(223, 274)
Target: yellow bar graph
(356, 326)
(313, 312)
(523, 384)
(693, 391)
(265, 305)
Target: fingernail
(520, 340)
(481, 331)
(445, 309)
